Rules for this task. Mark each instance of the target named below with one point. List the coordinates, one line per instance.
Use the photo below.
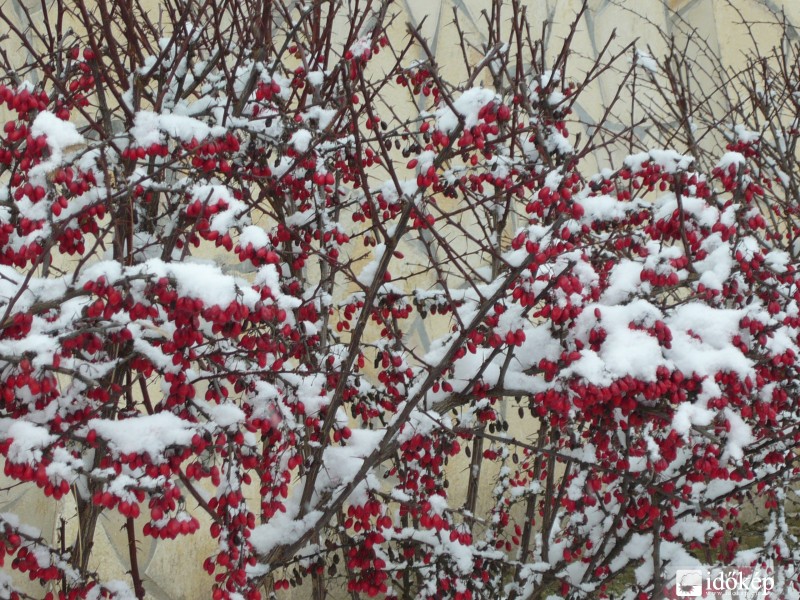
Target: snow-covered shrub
(220, 230)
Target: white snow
(280, 530)
(149, 434)
(624, 281)
(225, 415)
(301, 140)
(148, 127)
(255, 236)
(467, 105)
(669, 160)
(367, 274)
(361, 45)
(315, 78)
(647, 62)
(61, 136)
(688, 415)
(731, 158)
(145, 130)
(323, 116)
(28, 440)
(739, 437)
(745, 135)
(342, 463)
